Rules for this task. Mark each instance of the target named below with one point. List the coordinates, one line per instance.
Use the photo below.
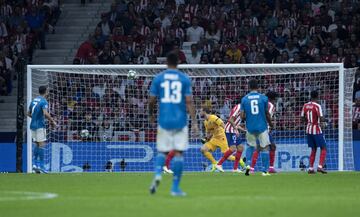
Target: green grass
(209, 194)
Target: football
(84, 134)
(132, 74)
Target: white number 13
(172, 92)
(254, 107)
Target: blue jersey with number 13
(255, 106)
(171, 87)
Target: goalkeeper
(215, 138)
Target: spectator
(213, 34)
(113, 14)
(182, 57)
(271, 53)
(105, 25)
(106, 131)
(234, 53)
(194, 56)
(87, 51)
(194, 32)
(36, 22)
(163, 19)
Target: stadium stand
(229, 31)
(38, 32)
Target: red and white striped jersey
(235, 112)
(313, 112)
(271, 108)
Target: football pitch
(209, 194)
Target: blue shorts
(232, 139)
(316, 141)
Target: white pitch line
(26, 195)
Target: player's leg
(272, 157)
(181, 143)
(35, 152)
(169, 157)
(320, 142)
(312, 146)
(225, 149)
(206, 150)
(252, 142)
(239, 151)
(264, 143)
(41, 142)
(163, 145)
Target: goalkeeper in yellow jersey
(215, 138)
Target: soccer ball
(84, 134)
(132, 74)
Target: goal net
(103, 123)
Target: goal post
(112, 108)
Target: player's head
(43, 90)
(314, 95)
(172, 60)
(205, 111)
(253, 84)
(271, 95)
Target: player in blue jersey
(254, 110)
(38, 111)
(172, 89)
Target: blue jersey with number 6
(37, 115)
(171, 87)
(255, 106)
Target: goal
(103, 124)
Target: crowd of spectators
(226, 31)
(230, 31)
(23, 26)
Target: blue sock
(41, 151)
(159, 163)
(249, 152)
(265, 160)
(36, 156)
(178, 166)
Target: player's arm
(219, 122)
(48, 116)
(152, 104)
(268, 115)
(303, 118)
(28, 114)
(268, 119)
(322, 118)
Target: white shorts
(39, 135)
(263, 139)
(168, 140)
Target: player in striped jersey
(271, 107)
(313, 116)
(234, 140)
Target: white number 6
(254, 107)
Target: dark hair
(206, 109)
(253, 84)
(42, 90)
(271, 95)
(314, 94)
(172, 59)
